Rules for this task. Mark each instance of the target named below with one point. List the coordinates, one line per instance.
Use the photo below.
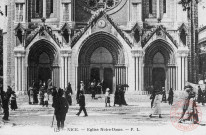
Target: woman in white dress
(156, 107)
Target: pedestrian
(81, 88)
(157, 101)
(203, 97)
(99, 87)
(123, 95)
(117, 95)
(185, 102)
(41, 96)
(164, 98)
(82, 104)
(192, 108)
(170, 97)
(49, 86)
(68, 93)
(152, 97)
(107, 97)
(54, 96)
(46, 99)
(5, 102)
(13, 101)
(35, 95)
(199, 97)
(92, 88)
(61, 108)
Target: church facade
(133, 42)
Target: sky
(202, 13)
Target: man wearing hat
(82, 104)
(81, 88)
(61, 108)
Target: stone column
(138, 70)
(44, 8)
(20, 85)
(65, 64)
(182, 68)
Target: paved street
(131, 119)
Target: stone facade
(134, 42)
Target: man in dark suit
(61, 108)
(82, 104)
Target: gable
(158, 33)
(43, 32)
(101, 22)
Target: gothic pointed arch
(101, 39)
(43, 62)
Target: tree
(1, 53)
(192, 9)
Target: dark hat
(81, 92)
(60, 92)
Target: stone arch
(49, 69)
(114, 47)
(101, 39)
(162, 71)
(159, 46)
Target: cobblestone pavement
(131, 119)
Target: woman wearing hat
(157, 100)
(107, 97)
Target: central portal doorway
(158, 75)
(108, 79)
(104, 75)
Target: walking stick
(52, 121)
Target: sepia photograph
(106, 67)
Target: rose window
(106, 4)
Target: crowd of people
(62, 99)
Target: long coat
(81, 100)
(61, 106)
(68, 94)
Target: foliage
(1, 53)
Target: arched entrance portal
(43, 63)
(101, 58)
(160, 65)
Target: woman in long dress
(156, 106)
(171, 95)
(13, 101)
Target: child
(13, 101)
(46, 98)
(107, 97)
